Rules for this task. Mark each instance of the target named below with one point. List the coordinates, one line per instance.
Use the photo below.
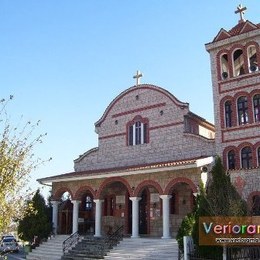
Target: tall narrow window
(252, 58)
(246, 157)
(88, 205)
(228, 114)
(238, 63)
(242, 110)
(231, 160)
(258, 156)
(224, 66)
(256, 101)
(137, 133)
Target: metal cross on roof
(137, 77)
(241, 11)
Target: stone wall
(167, 138)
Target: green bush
(185, 229)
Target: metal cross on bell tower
(137, 77)
(241, 10)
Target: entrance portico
(146, 210)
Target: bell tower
(235, 69)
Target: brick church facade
(153, 151)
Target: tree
(16, 163)
(36, 222)
(220, 199)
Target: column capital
(98, 200)
(55, 202)
(75, 201)
(135, 198)
(165, 197)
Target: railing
(239, 253)
(109, 242)
(3, 255)
(114, 238)
(70, 241)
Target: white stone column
(166, 215)
(135, 216)
(55, 205)
(98, 218)
(75, 215)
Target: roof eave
(195, 164)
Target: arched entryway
(150, 208)
(182, 202)
(86, 210)
(86, 221)
(116, 207)
(65, 211)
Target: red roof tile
(240, 28)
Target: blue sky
(65, 60)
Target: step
(144, 248)
(51, 249)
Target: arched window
(238, 63)
(231, 160)
(256, 101)
(246, 157)
(224, 66)
(137, 133)
(252, 59)
(242, 110)
(228, 113)
(256, 205)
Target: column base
(135, 236)
(166, 237)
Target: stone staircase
(97, 248)
(145, 248)
(90, 248)
(51, 249)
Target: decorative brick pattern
(248, 84)
(167, 140)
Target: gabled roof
(222, 34)
(240, 28)
(141, 86)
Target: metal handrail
(114, 238)
(70, 241)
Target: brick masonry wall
(231, 88)
(167, 141)
(248, 84)
(246, 181)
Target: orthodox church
(153, 151)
